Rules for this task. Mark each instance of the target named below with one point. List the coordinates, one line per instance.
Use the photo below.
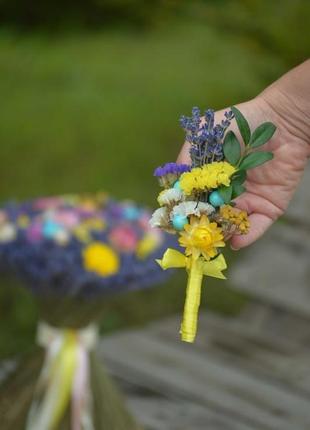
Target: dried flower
(207, 177)
(192, 208)
(160, 218)
(170, 196)
(101, 259)
(169, 173)
(235, 217)
(148, 244)
(171, 168)
(201, 237)
(124, 238)
(7, 232)
(206, 139)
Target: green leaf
(232, 149)
(239, 177)
(226, 193)
(262, 134)
(243, 125)
(237, 190)
(255, 159)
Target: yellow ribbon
(196, 269)
(63, 373)
(55, 387)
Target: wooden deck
(246, 373)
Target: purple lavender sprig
(206, 139)
(169, 173)
(172, 169)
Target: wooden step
(210, 375)
(276, 269)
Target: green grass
(83, 112)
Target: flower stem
(192, 301)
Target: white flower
(62, 237)
(169, 196)
(192, 208)
(7, 232)
(159, 218)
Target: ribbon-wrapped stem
(196, 269)
(192, 301)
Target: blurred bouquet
(198, 199)
(72, 251)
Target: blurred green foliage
(86, 111)
(83, 111)
(280, 27)
(55, 14)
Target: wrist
(287, 102)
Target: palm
(269, 187)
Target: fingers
(262, 214)
(259, 223)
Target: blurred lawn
(82, 112)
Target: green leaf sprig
(246, 158)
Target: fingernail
(233, 248)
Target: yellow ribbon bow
(64, 379)
(196, 269)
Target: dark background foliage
(54, 14)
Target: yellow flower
(237, 217)
(82, 233)
(101, 259)
(201, 237)
(94, 224)
(23, 221)
(148, 244)
(207, 177)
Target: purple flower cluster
(206, 139)
(171, 168)
(52, 269)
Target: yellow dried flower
(147, 245)
(201, 237)
(101, 259)
(23, 221)
(207, 177)
(237, 217)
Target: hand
(271, 186)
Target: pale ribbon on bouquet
(64, 378)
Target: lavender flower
(172, 169)
(57, 270)
(206, 139)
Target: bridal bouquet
(72, 251)
(197, 200)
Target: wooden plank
(179, 369)
(265, 352)
(177, 414)
(156, 411)
(276, 269)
